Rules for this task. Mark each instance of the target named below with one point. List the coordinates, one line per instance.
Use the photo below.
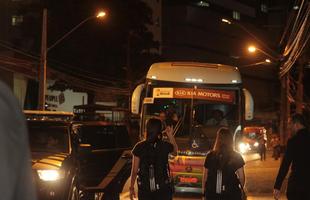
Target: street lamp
(252, 49)
(45, 50)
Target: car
(54, 153)
(251, 138)
(106, 159)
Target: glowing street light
(267, 60)
(252, 49)
(45, 50)
(101, 14)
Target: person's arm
(169, 132)
(204, 179)
(241, 176)
(285, 165)
(134, 172)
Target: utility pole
(300, 87)
(284, 108)
(128, 68)
(42, 68)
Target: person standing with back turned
(15, 171)
(150, 163)
(223, 175)
(297, 157)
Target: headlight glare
(50, 175)
(243, 147)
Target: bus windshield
(195, 113)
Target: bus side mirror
(135, 99)
(248, 104)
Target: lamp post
(45, 50)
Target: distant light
(295, 7)
(153, 77)
(203, 4)
(226, 21)
(101, 14)
(268, 60)
(252, 49)
(195, 80)
(234, 81)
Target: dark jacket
(296, 156)
(15, 170)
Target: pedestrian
(276, 147)
(297, 159)
(150, 163)
(15, 171)
(223, 175)
(262, 149)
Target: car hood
(42, 160)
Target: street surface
(260, 177)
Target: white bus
(193, 93)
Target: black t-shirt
(230, 180)
(156, 155)
(143, 148)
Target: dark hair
(223, 147)
(153, 130)
(224, 141)
(299, 118)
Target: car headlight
(256, 144)
(50, 175)
(244, 147)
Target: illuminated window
(17, 20)
(264, 8)
(236, 15)
(203, 4)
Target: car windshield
(53, 139)
(105, 137)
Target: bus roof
(194, 72)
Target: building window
(17, 20)
(236, 15)
(264, 8)
(203, 4)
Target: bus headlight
(50, 175)
(244, 147)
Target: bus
(195, 94)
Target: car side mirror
(85, 148)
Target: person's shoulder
(236, 154)
(140, 144)
(211, 153)
(166, 144)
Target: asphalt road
(260, 176)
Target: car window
(105, 137)
(49, 139)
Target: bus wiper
(180, 122)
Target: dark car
(54, 155)
(106, 160)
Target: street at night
(260, 176)
(154, 100)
